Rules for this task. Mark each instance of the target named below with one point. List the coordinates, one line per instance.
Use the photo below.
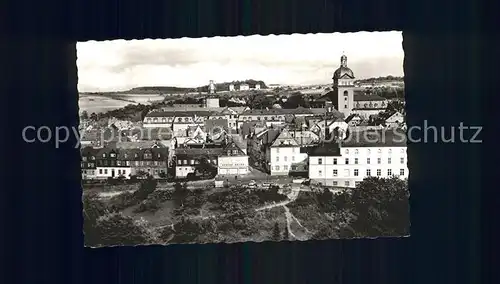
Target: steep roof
(326, 150)
(376, 138)
(365, 97)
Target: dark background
(42, 240)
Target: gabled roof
(216, 125)
(376, 138)
(231, 146)
(365, 97)
(325, 150)
(268, 136)
(187, 153)
(352, 117)
(284, 139)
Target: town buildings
(371, 153)
(188, 140)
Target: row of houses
(284, 153)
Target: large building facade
(370, 156)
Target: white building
(374, 153)
(231, 87)
(257, 86)
(244, 87)
(285, 157)
(233, 161)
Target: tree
(286, 234)
(93, 116)
(296, 100)
(117, 229)
(381, 206)
(84, 115)
(205, 168)
(180, 194)
(276, 236)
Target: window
(402, 160)
(347, 151)
(356, 183)
(334, 161)
(285, 167)
(390, 151)
(368, 172)
(285, 158)
(335, 173)
(379, 172)
(84, 159)
(320, 172)
(347, 161)
(356, 151)
(347, 183)
(402, 172)
(345, 106)
(346, 173)
(277, 159)
(278, 150)
(105, 171)
(104, 155)
(369, 151)
(356, 172)
(356, 161)
(112, 155)
(100, 171)
(294, 168)
(389, 160)
(346, 93)
(379, 151)
(402, 150)
(320, 161)
(379, 160)
(277, 168)
(389, 172)
(293, 158)
(335, 183)
(368, 161)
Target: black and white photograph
(243, 139)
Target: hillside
(380, 79)
(178, 90)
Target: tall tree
(180, 194)
(286, 234)
(276, 235)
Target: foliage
(189, 230)
(286, 234)
(205, 168)
(84, 115)
(180, 194)
(382, 208)
(296, 100)
(103, 228)
(260, 101)
(276, 235)
(117, 229)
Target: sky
(297, 59)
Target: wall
(284, 158)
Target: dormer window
(84, 159)
(104, 155)
(136, 155)
(112, 155)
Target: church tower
(211, 101)
(343, 88)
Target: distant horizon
(194, 87)
(297, 59)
